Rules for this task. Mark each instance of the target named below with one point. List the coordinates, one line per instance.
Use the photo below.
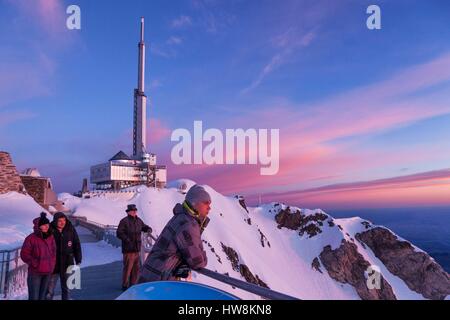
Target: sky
(364, 115)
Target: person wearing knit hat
(179, 247)
(43, 220)
(197, 194)
(39, 252)
(198, 202)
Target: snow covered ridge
(303, 253)
(375, 246)
(299, 252)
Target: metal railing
(246, 286)
(249, 287)
(108, 234)
(101, 231)
(13, 273)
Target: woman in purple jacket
(39, 252)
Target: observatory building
(121, 170)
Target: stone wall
(40, 189)
(35, 188)
(9, 177)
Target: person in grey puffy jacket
(180, 243)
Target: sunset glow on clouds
(364, 116)
(408, 191)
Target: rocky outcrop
(249, 277)
(417, 269)
(311, 229)
(309, 224)
(346, 265)
(243, 269)
(232, 256)
(263, 239)
(287, 219)
(366, 224)
(316, 265)
(212, 250)
(241, 200)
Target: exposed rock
(242, 268)
(213, 251)
(263, 239)
(320, 216)
(309, 224)
(417, 269)
(232, 256)
(331, 223)
(347, 265)
(311, 229)
(362, 243)
(316, 265)
(249, 277)
(241, 200)
(286, 219)
(366, 224)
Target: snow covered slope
(17, 212)
(300, 252)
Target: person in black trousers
(129, 231)
(68, 253)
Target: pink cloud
(407, 180)
(48, 14)
(157, 131)
(425, 188)
(304, 167)
(309, 133)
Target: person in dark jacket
(39, 252)
(68, 253)
(130, 232)
(179, 247)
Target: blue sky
(66, 96)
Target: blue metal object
(174, 290)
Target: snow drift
(17, 212)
